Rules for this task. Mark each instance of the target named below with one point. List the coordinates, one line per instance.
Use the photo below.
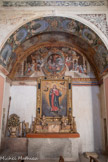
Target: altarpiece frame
(54, 106)
(45, 98)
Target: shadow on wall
(97, 124)
(86, 109)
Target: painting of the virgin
(54, 98)
(54, 95)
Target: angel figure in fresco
(54, 95)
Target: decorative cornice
(84, 82)
(75, 81)
(84, 79)
(24, 83)
(53, 3)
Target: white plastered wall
(5, 106)
(86, 109)
(6, 95)
(23, 102)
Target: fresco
(77, 66)
(7, 57)
(102, 52)
(64, 61)
(55, 24)
(6, 54)
(31, 67)
(20, 35)
(55, 63)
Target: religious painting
(77, 66)
(6, 54)
(53, 61)
(54, 96)
(31, 66)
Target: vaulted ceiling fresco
(38, 49)
(49, 61)
(41, 37)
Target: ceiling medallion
(54, 63)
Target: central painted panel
(54, 98)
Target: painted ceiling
(55, 32)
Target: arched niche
(78, 37)
(84, 38)
(42, 45)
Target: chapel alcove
(41, 55)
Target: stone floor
(18, 147)
(47, 160)
(101, 158)
(34, 161)
(20, 155)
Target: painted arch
(79, 36)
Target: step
(101, 158)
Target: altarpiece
(54, 106)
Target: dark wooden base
(53, 135)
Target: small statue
(20, 129)
(27, 127)
(23, 129)
(36, 125)
(37, 121)
(61, 159)
(71, 126)
(70, 117)
(32, 127)
(74, 125)
(64, 121)
(43, 122)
